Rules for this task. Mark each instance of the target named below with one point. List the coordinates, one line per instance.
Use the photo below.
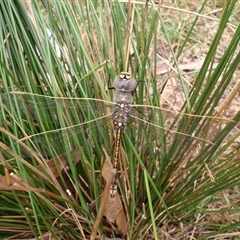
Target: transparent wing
(61, 122)
(172, 135)
(54, 123)
(46, 109)
(177, 124)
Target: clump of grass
(177, 172)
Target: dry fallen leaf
(61, 162)
(113, 210)
(16, 184)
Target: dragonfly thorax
(124, 84)
(121, 113)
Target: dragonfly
(125, 86)
(59, 122)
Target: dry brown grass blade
(108, 176)
(19, 158)
(6, 170)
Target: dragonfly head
(125, 82)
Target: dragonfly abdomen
(113, 188)
(120, 116)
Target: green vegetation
(179, 173)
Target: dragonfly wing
(175, 132)
(53, 123)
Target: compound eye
(125, 82)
